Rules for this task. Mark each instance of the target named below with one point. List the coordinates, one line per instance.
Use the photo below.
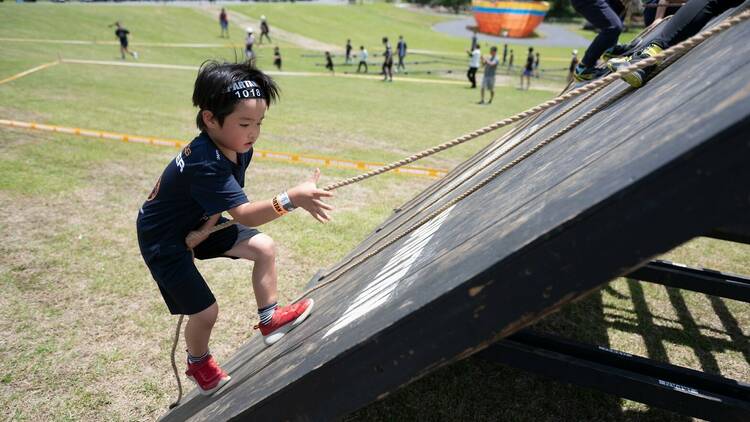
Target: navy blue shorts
(181, 284)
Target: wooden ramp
(661, 165)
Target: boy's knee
(264, 246)
(207, 316)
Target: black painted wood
(712, 282)
(630, 183)
(682, 390)
(734, 233)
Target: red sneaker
(207, 375)
(285, 318)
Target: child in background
(329, 62)
(362, 58)
(122, 34)
(277, 58)
(204, 180)
(510, 61)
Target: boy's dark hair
(209, 92)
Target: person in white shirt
(249, 41)
(475, 56)
(362, 58)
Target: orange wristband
(277, 206)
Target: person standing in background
(362, 58)
(348, 58)
(475, 57)
(224, 23)
(401, 50)
(264, 30)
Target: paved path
(550, 35)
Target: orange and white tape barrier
(259, 154)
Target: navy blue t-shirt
(198, 183)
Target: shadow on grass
(474, 389)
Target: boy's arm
(305, 195)
(194, 238)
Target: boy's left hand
(307, 195)
(194, 238)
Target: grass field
(84, 332)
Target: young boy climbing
(205, 179)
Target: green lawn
(85, 334)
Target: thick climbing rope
(174, 364)
(668, 55)
(470, 191)
(473, 173)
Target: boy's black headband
(245, 89)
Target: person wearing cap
(249, 41)
(264, 29)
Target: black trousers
(690, 19)
(605, 17)
(362, 63)
(472, 75)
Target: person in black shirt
(264, 30)
(348, 58)
(277, 58)
(205, 179)
(387, 61)
(122, 34)
(528, 69)
(329, 62)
